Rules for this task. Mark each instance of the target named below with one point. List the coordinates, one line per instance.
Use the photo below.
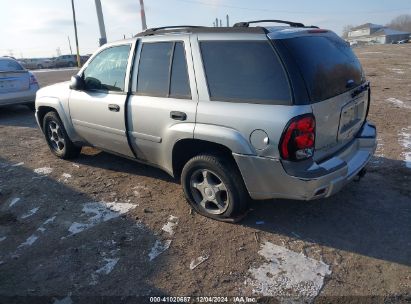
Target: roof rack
(290, 23)
(151, 31)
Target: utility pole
(228, 20)
(99, 10)
(71, 51)
(75, 33)
(143, 16)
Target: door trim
(98, 127)
(148, 137)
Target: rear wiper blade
(361, 89)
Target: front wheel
(213, 186)
(57, 138)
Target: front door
(97, 112)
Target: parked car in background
(68, 61)
(37, 63)
(234, 113)
(17, 85)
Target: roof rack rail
(151, 31)
(290, 23)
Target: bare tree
(401, 23)
(346, 29)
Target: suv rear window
(328, 65)
(244, 71)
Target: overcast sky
(36, 28)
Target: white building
(374, 33)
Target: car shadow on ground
(371, 217)
(41, 261)
(19, 116)
(103, 160)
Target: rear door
(334, 81)
(162, 107)
(13, 78)
(97, 112)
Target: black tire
(39, 66)
(232, 204)
(58, 140)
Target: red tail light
(298, 139)
(33, 79)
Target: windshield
(328, 65)
(9, 65)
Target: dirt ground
(96, 226)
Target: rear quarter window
(244, 71)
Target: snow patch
(398, 103)
(398, 71)
(197, 261)
(169, 227)
(110, 263)
(48, 221)
(287, 273)
(30, 241)
(43, 170)
(66, 300)
(102, 211)
(158, 248)
(30, 213)
(18, 164)
(362, 53)
(379, 155)
(3, 238)
(405, 142)
(14, 201)
(65, 177)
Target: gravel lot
(106, 226)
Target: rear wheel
(214, 188)
(57, 138)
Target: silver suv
(235, 113)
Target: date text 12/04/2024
(201, 299)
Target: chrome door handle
(176, 115)
(114, 107)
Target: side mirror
(77, 83)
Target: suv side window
(107, 71)
(244, 71)
(163, 71)
(179, 84)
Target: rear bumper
(267, 178)
(19, 97)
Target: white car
(17, 85)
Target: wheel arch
(185, 149)
(47, 104)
